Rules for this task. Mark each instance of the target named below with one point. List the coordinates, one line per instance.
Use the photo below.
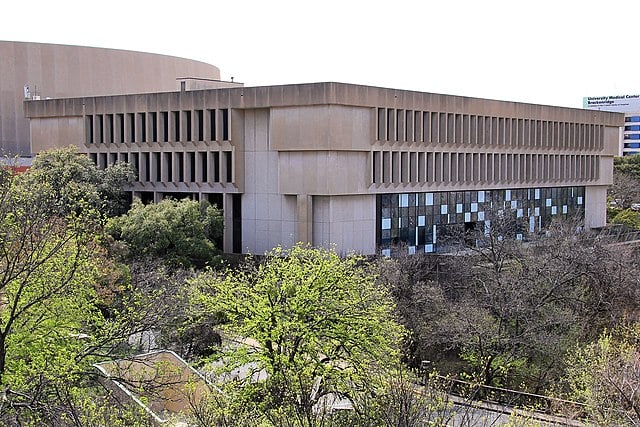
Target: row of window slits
(394, 167)
(174, 167)
(154, 126)
(438, 127)
(426, 222)
(631, 141)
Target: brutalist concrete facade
(313, 162)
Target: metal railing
(502, 397)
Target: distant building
(630, 106)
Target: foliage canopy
(316, 325)
(182, 232)
(73, 178)
(629, 165)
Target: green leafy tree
(629, 165)
(605, 376)
(629, 218)
(48, 269)
(73, 177)
(181, 232)
(309, 327)
(57, 311)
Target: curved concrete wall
(60, 71)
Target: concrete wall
(268, 217)
(324, 172)
(321, 127)
(53, 132)
(346, 222)
(595, 212)
(60, 71)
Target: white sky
(543, 51)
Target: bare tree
(625, 190)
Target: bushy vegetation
(311, 327)
(628, 218)
(180, 232)
(290, 335)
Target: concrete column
(127, 128)
(198, 164)
(223, 166)
(176, 167)
(595, 208)
(227, 213)
(144, 166)
(188, 171)
(153, 166)
(304, 218)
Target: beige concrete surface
(61, 71)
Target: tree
(605, 376)
(72, 176)
(57, 312)
(504, 312)
(182, 232)
(319, 326)
(629, 218)
(48, 267)
(629, 165)
(625, 189)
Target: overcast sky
(544, 51)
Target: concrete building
(40, 70)
(362, 168)
(630, 106)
